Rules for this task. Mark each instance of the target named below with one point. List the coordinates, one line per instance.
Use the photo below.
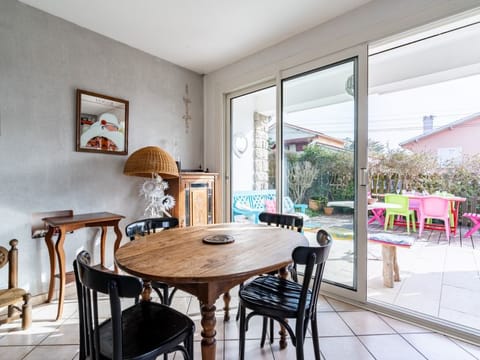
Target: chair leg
(170, 297)
(241, 342)
(316, 346)
(300, 337)
(264, 331)
(189, 345)
(26, 312)
(271, 330)
(165, 296)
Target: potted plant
(314, 203)
(328, 210)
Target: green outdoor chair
(402, 210)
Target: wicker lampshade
(151, 160)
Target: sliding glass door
(310, 158)
(320, 160)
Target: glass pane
(424, 124)
(319, 115)
(253, 167)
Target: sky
(398, 116)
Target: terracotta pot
(328, 210)
(314, 204)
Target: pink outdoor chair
(434, 207)
(475, 219)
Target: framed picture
(102, 123)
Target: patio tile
(390, 347)
(433, 346)
(469, 280)
(421, 293)
(460, 318)
(461, 300)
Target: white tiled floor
(345, 332)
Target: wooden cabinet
(194, 193)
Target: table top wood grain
(180, 255)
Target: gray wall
(43, 59)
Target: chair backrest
(314, 259)
(288, 221)
(10, 257)
(90, 282)
(148, 226)
(434, 207)
(400, 200)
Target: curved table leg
(61, 266)
(51, 256)
(209, 344)
(116, 245)
(103, 241)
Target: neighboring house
(296, 138)
(449, 142)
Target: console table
(64, 224)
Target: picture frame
(102, 123)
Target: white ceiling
(200, 35)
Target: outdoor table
(377, 208)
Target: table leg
(475, 226)
(51, 256)
(116, 245)
(61, 267)
(391, 271)
(283, 273)
(396, 270)
(377, 215)
(226, 308)
(103, 241)
(209, 344)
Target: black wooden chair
(144, 330)
(280, 299)
(287, 221)
(147, 227)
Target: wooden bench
(250, 204)
(390, 242)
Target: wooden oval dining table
(180, 258)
